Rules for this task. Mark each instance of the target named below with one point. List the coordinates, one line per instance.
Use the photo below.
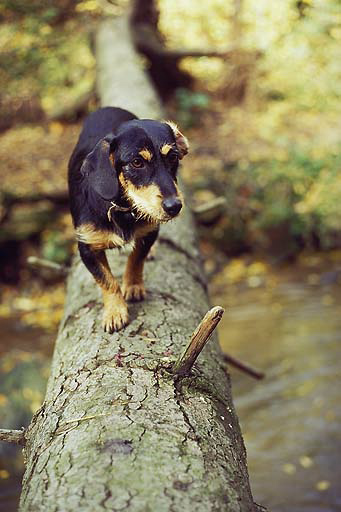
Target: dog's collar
(118, 208)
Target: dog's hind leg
(115, 314)
(133, 287)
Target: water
(291, 419)
(24, 366)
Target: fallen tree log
(117, 430)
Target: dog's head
(140, 162)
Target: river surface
(288, 323)
(284, 321)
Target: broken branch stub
(197, 342)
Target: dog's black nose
(172, 206)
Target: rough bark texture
(116, 431)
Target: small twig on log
(249, 370)
(12, 436)
(51, 265)
(197, 342)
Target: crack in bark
(171, 497)
(127, 505)
(107, 496)
(191, 428)
(171, 243)
(156, 381)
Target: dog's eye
(173, 158)
(137, 163)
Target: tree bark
(117, 431)
(163, 67)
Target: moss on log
(116, 430)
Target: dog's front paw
(115, 314)
(133, 292)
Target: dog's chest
(100, 239)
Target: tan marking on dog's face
(165, 149)
(112, 158)
(146, 154)
(122, 181)
(181, 141)
(147, 202)
(98, 239)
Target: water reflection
(24, 366)
(290, 329)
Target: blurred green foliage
(281, 139)
(299, 41)
(275, 97)
(190, 105)
(56, 247)
(46, 50)
(301, 192)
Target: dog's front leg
(133, 287)
(115, 314)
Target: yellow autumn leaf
(306, 462)
(89, 5)
(289, 468)
(235, 271)
(257, 268)
(322, 485)
(3, 400)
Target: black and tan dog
(123, 185)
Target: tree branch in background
(61, 270)
(163, 62)
(243, 367)
(12, 436)
(8, 201)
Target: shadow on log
(117, 431)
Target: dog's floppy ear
(181, 141)
(99, 171)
